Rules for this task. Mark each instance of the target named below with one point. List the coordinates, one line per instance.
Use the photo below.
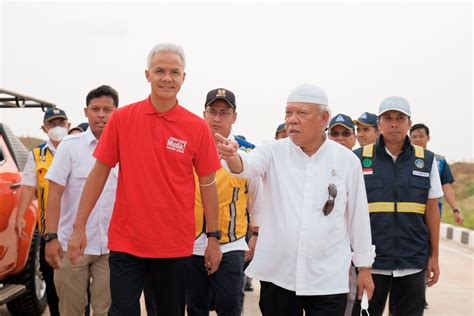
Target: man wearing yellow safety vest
(237, 197)
(403, 187)
(56, 126)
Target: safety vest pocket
(372, 182)
(420, 182)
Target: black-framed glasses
(329, 205)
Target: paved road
(453, 295)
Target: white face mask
(57, 133)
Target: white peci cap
(308, 93)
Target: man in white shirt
(34, 184)
(67, 175)
(315, 211)
(403, 187)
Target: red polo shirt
(154, 210)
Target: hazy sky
(359, 53)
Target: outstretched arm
(227, 149)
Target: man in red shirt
(157, 144)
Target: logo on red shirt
(176, 144)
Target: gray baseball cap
(394, 104)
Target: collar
(50, 146)
(321, 148)
(90, 138)
(172, 115)
(406, 148)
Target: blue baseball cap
(53, 113)
(280, 128)
(343, 120)
(367, 119)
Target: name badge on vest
(421, 174)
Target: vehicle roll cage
(9, 99)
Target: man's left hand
(252, 244)
(213, 255)
(432, 271)
(458, 218)
(364, 281)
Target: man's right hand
(54, 254)
(20, 226)
(77, 244)
(227, 148)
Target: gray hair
(324, 108)
(166, 48)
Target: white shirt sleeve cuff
(364, 259)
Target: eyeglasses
(214, 113)
(329, 205)
(345, 133)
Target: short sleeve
(206, 159)
(107, 150)
(446, 176)
(29, 173)
(61, 166)
(436, 191)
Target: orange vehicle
(22, 286)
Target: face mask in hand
(57, 133)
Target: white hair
(166, 48)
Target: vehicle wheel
(33, 302)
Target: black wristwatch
(456, 210)
(50, 236)
(217, 234)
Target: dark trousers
(277, 301)
(407, 294)
(167, 281)
(221, 290)
(48, 276)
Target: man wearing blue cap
(403, 188)
(281, 131)
(315, 212)
(367, 129)
(34, 183)
(341, 130)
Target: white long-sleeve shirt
(299, 248)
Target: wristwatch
(50, 236)
(456, 210)
(217, 234)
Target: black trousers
(167, 279)
(277, 301)
(407, 294)
(48, 276)
(221, 290)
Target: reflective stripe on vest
(43, 158)
(232, 195)
(402, 207)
